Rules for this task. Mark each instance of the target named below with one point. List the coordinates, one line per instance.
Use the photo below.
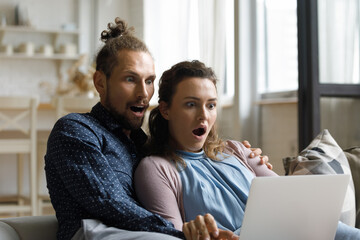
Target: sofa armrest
(7, 232)
(29, 227)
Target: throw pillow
(353, 156)
(324, 156)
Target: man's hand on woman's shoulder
(257, 152)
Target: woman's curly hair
(117, 37)
(158, 126)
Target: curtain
(212, 39)
(186, 30)
(167, 32)
(339, 63)
(338, 40)
(245, 120)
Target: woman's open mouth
(199, 131)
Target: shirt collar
(191, 155)
(108, 121)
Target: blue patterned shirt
(89, 168)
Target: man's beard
(122, 119)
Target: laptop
(303, 207)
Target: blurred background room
(287, 69)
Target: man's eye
(129, 79)
(149, 82)
(190, 104)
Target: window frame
(310, 89)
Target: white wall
(89, 16)
(277, 131)
(92, 16)
(49, 10)
(24, 76)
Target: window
(188, 30)
(277, 45)
(329, 87)
(229, 85)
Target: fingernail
(252, 155)
(216, 233)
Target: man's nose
(142, 90)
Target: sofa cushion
(33, 227)
(7, 232)
(353, 156)
(324, 156)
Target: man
(91, 157)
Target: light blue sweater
(220, 188)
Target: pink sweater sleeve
(243, 153)
(158, 187)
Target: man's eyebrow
(153, 76)
(131, 72)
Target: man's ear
(99, 80)
(164, 110)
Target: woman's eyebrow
(196, 98)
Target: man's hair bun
(117, 37)
(118, 29)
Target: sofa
(28, 228)
(317, 158)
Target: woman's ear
(99, 80)
(163, 108)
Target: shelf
(39, 56)
(22, 29)
(19, 41)
(19, 32)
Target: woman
(191, 172)
(187, 155)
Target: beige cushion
(324, 156)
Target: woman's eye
(212, 106)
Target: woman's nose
(202, 114)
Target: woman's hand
(205, 228)
(201, 228)
(257, 152)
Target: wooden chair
(63, 105)
(18, 118)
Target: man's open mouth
(199, 131)
(137, 108)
